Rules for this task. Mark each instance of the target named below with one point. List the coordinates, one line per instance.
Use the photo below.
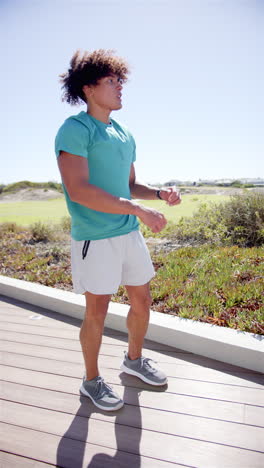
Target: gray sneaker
(101, 394)
(143, 369)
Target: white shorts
(100, 266)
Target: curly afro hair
(88, 68)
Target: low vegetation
(237, 221)
(25, 211)
(216, 275)
(36, 254)
(218, 285)
(26, 184)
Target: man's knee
(140, 297)
(96, 305)
(146, 301)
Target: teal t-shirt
(110, 151)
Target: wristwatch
(158, 194)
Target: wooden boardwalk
(210, 415)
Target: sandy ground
(47, 194)
(29, 195)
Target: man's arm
(75, 175)
(141, 191)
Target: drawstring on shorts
(85, 248)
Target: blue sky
(194, 101)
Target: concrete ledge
(224, 344)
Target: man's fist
(155, 220)
(171, 195)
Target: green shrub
(244, 218)
(41, 232)
(206, 225)
(18, 186)
(66, 224)
(239, 221)
(27, 184)
(57, 254)
(236, 183)
(9, 227)
(54, 186)
(168, 231)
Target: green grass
(51, 211)
(190, 203)
(28, 212)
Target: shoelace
(146, 361)
(101, 387)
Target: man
(96, 157)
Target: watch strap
(158, 194)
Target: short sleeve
(134, 149)
(72, 137)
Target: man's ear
(87, 90)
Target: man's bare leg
(92, 330)
(137, 324)
(138, 318)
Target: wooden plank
(180, 372)
(209, 408)
(106, 348)
(14, 316)
(41, 351)
(14, 333)
(12, 310)
(76, 356)
(171, 449)
(61, 319)
(150, 398)
(41, 340)
(15, 305)
(194, 360)
(76, 370)
(109, 350)
(11, 315)
(93, 431)
(11, 302)
(199, 373)
(216, 391)
(15, 310)
(189, 358)
(9, 460)
(115, 346)
(71, 334)
(183, 425)
(25, 309)
(47, 322)
(68, 453)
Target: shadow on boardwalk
(79, 430)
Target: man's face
(107, 93)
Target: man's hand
(155, 220)
(171, 196)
